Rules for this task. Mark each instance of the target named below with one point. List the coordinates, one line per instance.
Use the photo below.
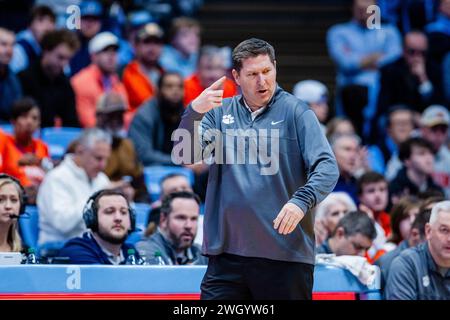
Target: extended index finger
(218, 84)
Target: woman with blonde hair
(12, 204)
(329, 212)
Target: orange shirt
(12, 153)
(193, 88)
(88, 88)
(384, 219)
(2, 148)
(139, 87)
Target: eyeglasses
(439, 128)
(413, 52)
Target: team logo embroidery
(426, 281)
(228, 119)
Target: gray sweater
(242, 200)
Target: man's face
(106, 60)
(401, 125)
(90, 26)
(187, 40)
(346, 152)
(181, 224)
(94, 160)
(421, 160)
(210, 69)
(354, 245)
(416, 46)
(113, 218)
(41, 26)
(149, 50)
(360, 10)
(26, 124)
(445, 7)
(438, 237)
(375, 195)
(172, 89)
(335, 213)
(7, 40)
(175, 184)
(56, 60)
(436, 135)
(257, 80)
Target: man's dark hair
(422, 218)
(42, 11)
(22, 106)
(395, 108)
(356, 222)
(54, 38)
(170, 176)
(251, 48)
(405, 148)
(166, 205)
(165, 75)
(369, 177)
(108, 192)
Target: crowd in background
(127, 75)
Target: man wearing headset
(110, 219)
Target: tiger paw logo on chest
(228, 119)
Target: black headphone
(90, 211)
(22, 193)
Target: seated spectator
(359, 53)
(329, 212)
(170, 183)
(403, 214)
(416, 235)
(66, 188)
(211, 67)
(416, 154)
(181, 55)
(373, 198)
(45, 81)
(353, 236)
(90, 24)
(413, 79)
(110, 219)
(400, 126)
(12, 204)
(141, 76)
(99, 77)
(434, 128)
(423, 272)
(346, 149)
(11, 89)
(123, 161)
(27, 49)
(154, 122)
(177, 229)
(26, 158)
(315, 94)
(438, 33)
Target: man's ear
(235, 76)
(428, 231)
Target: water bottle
(31, 257)
(158, 259)
(131, 259)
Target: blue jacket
(415, 276)
(85, 250)
(287, 159)
(10, 90)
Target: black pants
(232, 277)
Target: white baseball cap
(101, 41)
(311, 91)
(435, 115)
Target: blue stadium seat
(29, 226)
(58, 139)
(7, 128)
(142, 211)
(154, 174)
